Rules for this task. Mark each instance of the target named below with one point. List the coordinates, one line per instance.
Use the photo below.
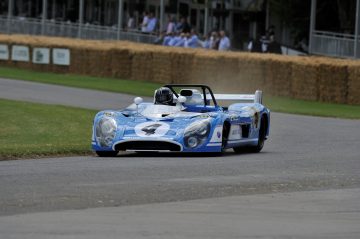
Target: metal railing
(33, 26)
(333, 44)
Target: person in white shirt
(170, 28)
(224, 44)
(144, 22)
(131, 22)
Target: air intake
(145, 145)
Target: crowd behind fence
(33, 26)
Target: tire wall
(309, 78)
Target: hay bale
(304, 83)
(278, 76)
(354, 84)
(333, 82)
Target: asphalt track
(304, 184)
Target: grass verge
(37, 130)
(303, 107)
(277, 104)
(80, 81)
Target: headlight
(196, 133)
(105, 131)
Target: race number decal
(152, 129)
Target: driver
(164, 96)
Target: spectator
(224, 44)
(193, 39)
(130, 22)
(271, 31)
(144, 22)
(273, 46)
(175, 39)
(255, 46)
(206, 43)
(264, 43)
(151, 25)
(181, 41)
(183, 25)
(214, 41)
(171, 25)
(167, 39)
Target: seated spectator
(224, 44)
(206, 42)
(181, 40)
(193, 40)
(167, 39)
(175, 39)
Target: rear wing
(256, 98)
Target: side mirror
(181, 99)
(138, 100)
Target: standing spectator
(271, 31)
(257, 46)
(144, 22)
(214, 41)
(151, 25)
(224, 44)
(170, 28)
(183, 25)
(130, 22)
(273, 46)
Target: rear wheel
(260, 144)
(107, 153)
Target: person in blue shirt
(167, 39)
(206, 42)
(193, 41)
(175, 39)
(151, 25)
(181, 40)
(224, 44)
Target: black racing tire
(225, 136)
(260, 144)
(107, 154)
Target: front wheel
(107, 153)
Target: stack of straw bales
(308, 78)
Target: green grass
(277, 104)
(88, 82)
(32, 130)
(303, 107)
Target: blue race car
(183, 118)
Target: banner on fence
(61, 56)
(20, 53)
(41, 55)
(4, 52)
